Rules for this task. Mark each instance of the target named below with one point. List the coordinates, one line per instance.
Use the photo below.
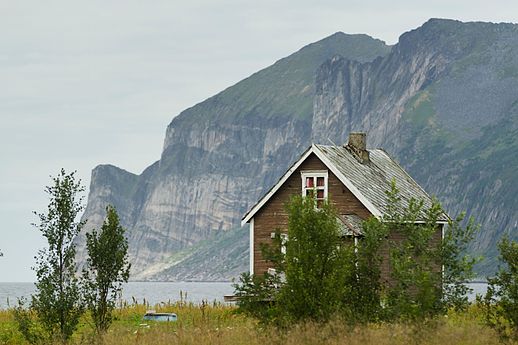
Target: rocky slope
(443, 101)
(218, 157)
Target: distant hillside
(443, 101)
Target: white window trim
(312, 149)
(284, 239)
(314, 173)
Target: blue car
(153, 316)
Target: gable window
(315, 183)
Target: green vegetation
(314, 263)
(428, 274)
(57, 302)
(106, 269)
(502, 294)
(284, 89)
(419, 109)
(61, 297)
(220, 324)
(309, 279)
(326, 290)
(321, 275)
(321, 280)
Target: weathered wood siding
(273, 215)
(398, 237)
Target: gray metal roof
(373, 178)
(350, 225)
(368, 181)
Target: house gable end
(324, 163)
(275, 188)
(273, 216)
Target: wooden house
(354, 178)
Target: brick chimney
(358, 146)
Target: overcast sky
(90, 82)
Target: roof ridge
(367, 182)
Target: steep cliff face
(442, 101)
(218, 157)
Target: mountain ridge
(220, 155)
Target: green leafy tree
(364, 288)
(314, 262)
(107, 267)
(322, 273)
(57, 302)
(428, 274)
(457, 263)
(502, 293)
(310, 273)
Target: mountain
(443, 101)
(218, 157)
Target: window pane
(309, 182)
(320, 203)
(320, 194)
(320, 181)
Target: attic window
(315, 182)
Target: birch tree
(57, 301)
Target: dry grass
(219, 324)
(331, 333)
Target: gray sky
(90, 82)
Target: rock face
(443, 101)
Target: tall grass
(216, 323)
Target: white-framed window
(284, 239)
(315, 182)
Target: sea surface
(149, 292)
(156, 292)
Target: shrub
(501, 299)
(320, 274)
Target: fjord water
(156, 292)
(152, 292)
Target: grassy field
(219, 324)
